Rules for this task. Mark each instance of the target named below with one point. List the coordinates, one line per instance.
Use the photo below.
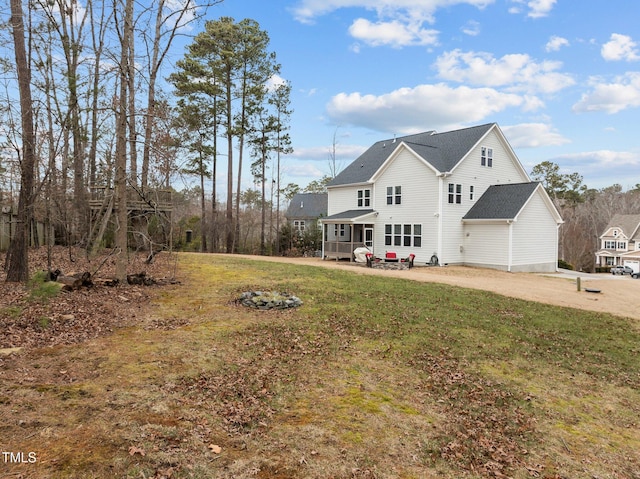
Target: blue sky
(560, 77)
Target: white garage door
(634, 265)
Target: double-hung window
(403, 235)
(299, 226)
(364, 198)
(394, 195)
(486, 157)
(455, 193)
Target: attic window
(486, 157)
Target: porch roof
(352, 216)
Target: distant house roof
(307, 205)
(442, 151)
(502, 202)
(627, 223)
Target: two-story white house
(620, 243)
(461, 196)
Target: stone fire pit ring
(265, 300)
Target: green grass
(41, 290)
(371, 377)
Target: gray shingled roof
(627, 223)
(307, 205)
(501, 202)
(442, 150)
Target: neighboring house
(620, 243)
(305, 209)
(462, 196)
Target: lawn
(372, 377)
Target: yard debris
(87, 309)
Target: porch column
(351, 249)
(324, 239)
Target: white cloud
(555, 43)
(399, 23)
(517, 72)
(533, 135)
(274, 82)
(620, 47)
(395, 33)
(472, 28)
(411, 110)
(603, 158)
(602, 168)
(540, 8)
(302, 170)
(536, 8)
(306, 10)
(344, 152)
(614, 97)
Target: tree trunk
(121, 147)
(17, 256)
(230, 228)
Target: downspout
(557, 242)
(510, 253)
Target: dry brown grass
(460, 386)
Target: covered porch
(343, 232)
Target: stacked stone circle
(269, 300)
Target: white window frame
(394, 195)
(299, 226)
(486, 157)
(364, 198)
(403, 235)
(455, 193)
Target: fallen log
(110, 282)
(141, 279)
(70, 283)
(74, 281)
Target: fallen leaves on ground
(74, 316)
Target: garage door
(634, 265)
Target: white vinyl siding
(469, 172)
(419, 204)
(486, 244)
(343, 199)
(535, 237)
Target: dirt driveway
(619, 295)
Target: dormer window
(486, 157)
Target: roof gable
(506, 201)
(443, 151)
(628, 224)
